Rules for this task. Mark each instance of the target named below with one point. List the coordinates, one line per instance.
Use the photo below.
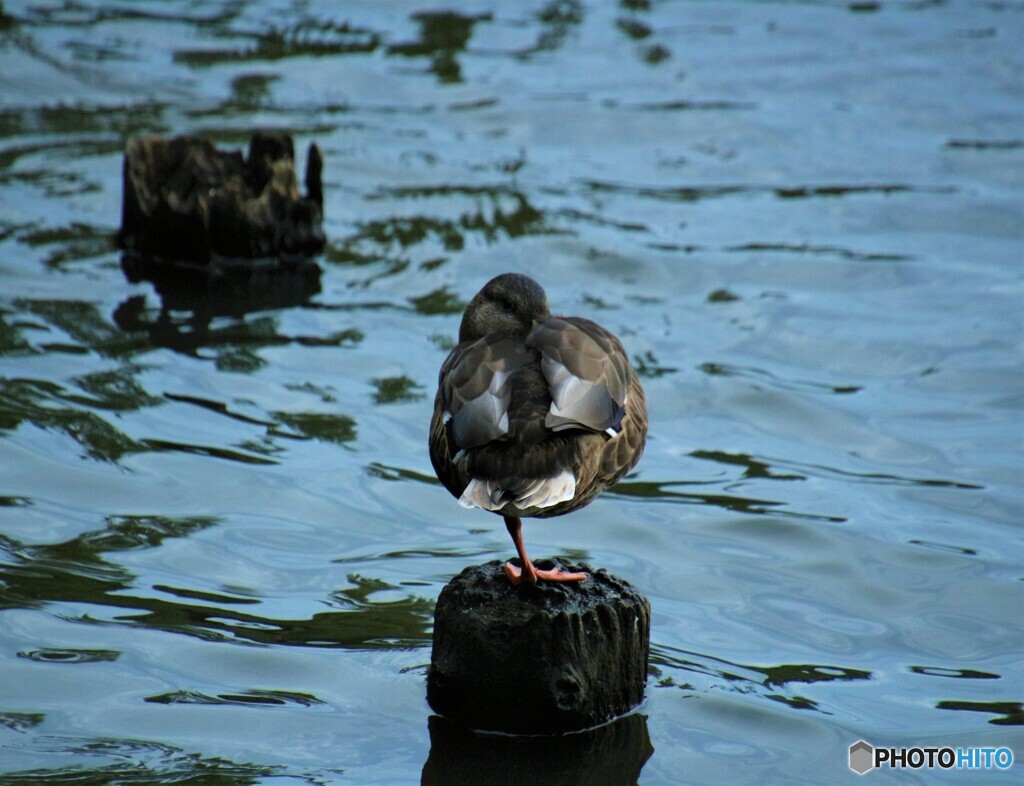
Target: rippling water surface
(220, 535)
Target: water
(220, 535)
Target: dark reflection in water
(385, 472)
(771, 682)
(276, 698)
(985, 144)
(306, 38)
(761, 467)
(661, 492)
(440, 301)
(120, 121)
(558, 17)
(200, 309)
(700, 193)
(228, 288)
(752, 468)
(613, 753)
(394, 389)
(72, 244)
(1008, 713)
(496, 213)
(755, 468)
(960, 674)
(50, 406)
(20, 721)
(82, 322)
(192, 296)
(128, 761)
(648, 365)
(46, 405)
(77, 572)
(760, 375)
(820, 250)
(323, 426)
(443, 34)
(52, 655)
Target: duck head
(509, 304)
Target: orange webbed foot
(530, 575)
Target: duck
(535, 414)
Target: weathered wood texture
(540, 659)
(185, 200)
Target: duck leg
(528, 573)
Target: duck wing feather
(587, 372)
(475, 388)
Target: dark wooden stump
(537, 659)
(185, 200)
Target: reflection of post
(537, 659)
(191, 297)
(613, 753)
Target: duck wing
(587, 372)
(474, 388)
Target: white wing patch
(541, 493)
(485, 417)
(574, 401)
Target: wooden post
(186, 201)
(542, 659)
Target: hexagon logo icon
(862, 757)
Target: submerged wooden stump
(185, 200)
(541, 659)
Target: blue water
(220, 536)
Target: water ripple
(761, 375)
(765, 681)
(57, 655)
(702, 192)
(254, 697)
(126, 760)
(660, 492)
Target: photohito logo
(864, 757)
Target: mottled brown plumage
(535, 415)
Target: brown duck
(535, 415)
